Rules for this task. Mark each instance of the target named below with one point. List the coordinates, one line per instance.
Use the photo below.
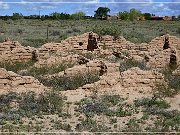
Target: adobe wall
(159, 58)
(14, 51)
(10, 81)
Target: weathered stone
(14, 82)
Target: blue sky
(28, 7)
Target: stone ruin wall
(158, 57)
(92, 67)
(107, 42)
(10, 81)
(14, 51)
(134, 78)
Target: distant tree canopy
(101, 12)
(134, 13)
(131, 15)
(78, 15)
(124, 15)
(56, 16)
(147, 16)
(16, 16)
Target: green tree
(101, 12)
(147, 16)
(16, 16)
(55, 15)
(123, 15)
(134, 13)
(78, 15)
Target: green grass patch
(129, 63)
(34, 71)
(69, 83)
(16, 66)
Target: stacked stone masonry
(10, 81)
(13, 51)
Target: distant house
(156, 18)
(141, 18)
(88, 17)
(167, 18)
(112, 17)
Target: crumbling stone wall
(132, 78)
(154, 50)
(136, 77)
(92, 67)
(159, 58)
(13, 51)
(10, 81)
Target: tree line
(100, 13)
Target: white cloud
(4, 6)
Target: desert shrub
(167, 121)
(112, 100)
(69, 31)
(76, 30)
(172, 80)
(88, 55)
(178, 30)
(34, 42)
(145, 116)
(29, 104)
(62, 36)
(48, 102)
(149, 102)
(6, 99)
(103, 104)
(132, 126)
(34, 71)
(162, 90)
(113, 120)
(16, 66)
(137, 37)
(69, 83)
(129, 63)
(2, 38)
(90, 125)
(55, 33)
(94, 108)
(112, 30)
(59, 125)
(20, 31)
